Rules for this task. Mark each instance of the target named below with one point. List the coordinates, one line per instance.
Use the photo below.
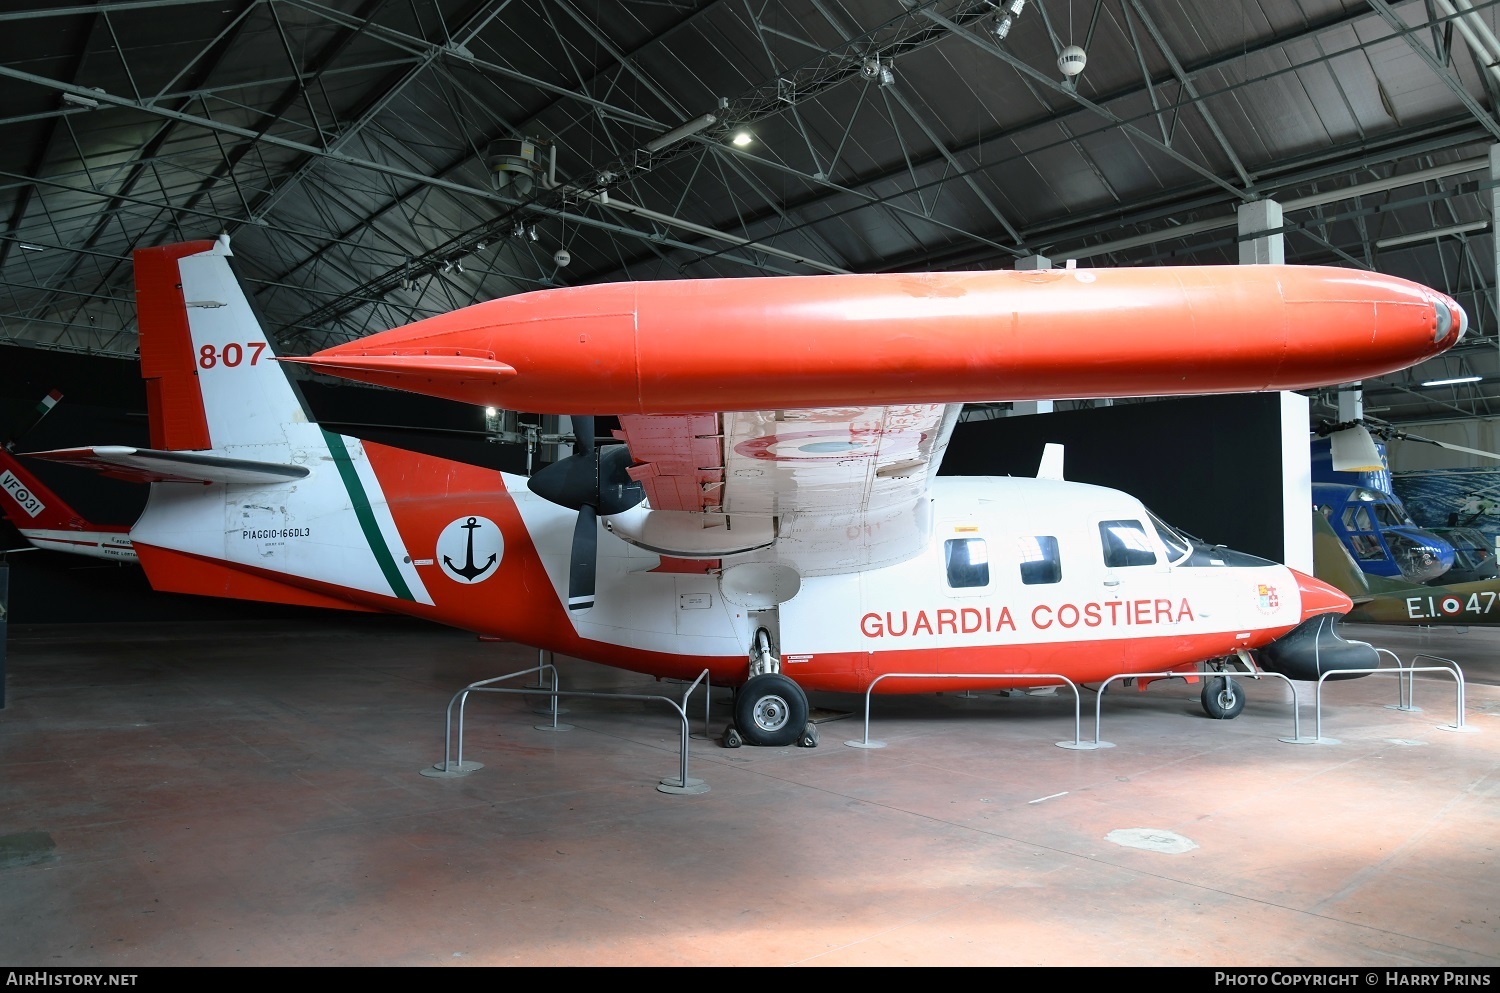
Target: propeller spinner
(594, 482)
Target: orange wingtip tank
(824, 341)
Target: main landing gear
(770, 709)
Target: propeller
(594, 482)
(42, 409)
(1353, 444)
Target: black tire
(770, 710)
(1222, 699)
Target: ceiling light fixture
(680, 132)
(1453, 381)
(1011, 9)
(742, 139)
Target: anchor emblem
(473, 570)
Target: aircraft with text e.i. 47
(771, 512)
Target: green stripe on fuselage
(366, 515)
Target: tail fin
(47, 522)
(212, 380)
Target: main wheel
(1222, 698)
(770, 710)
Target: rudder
(212, 381)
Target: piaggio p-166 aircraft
(770, 509)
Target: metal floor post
(4, 617)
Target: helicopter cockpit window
(1178, 547)
(1362, 539)
(1125, 544)
(1388, 516)
(1040, 562)
(968, 561)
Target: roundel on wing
(469, 549)
(831, 445)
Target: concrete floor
(217, 794)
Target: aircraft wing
(852, 479)
(145, 465)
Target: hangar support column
(1262, 243)
(1261, 240)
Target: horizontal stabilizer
(145, 465)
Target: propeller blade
(583, 434)
(41, 410)
(1353, 450)
(1451, 447)
(584, 560)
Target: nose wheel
(1222, 699)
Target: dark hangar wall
(1211, 466)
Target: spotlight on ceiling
(1002, 26)
(1454, 381)
(887, 75)
(742, 138)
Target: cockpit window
(1179, 548)
(1040, 562)
(968, 561)
(1125, 544)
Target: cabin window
(968, 562)
(1039, 560)
(1125, 544)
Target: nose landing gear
(1222, 698)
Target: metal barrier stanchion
(449, 769)
(1402, 672)
(682, 784)
(1075, 743)
(1099, 700)
(1404, 686)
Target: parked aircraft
(773, 514)
(41, 515)
(1375, 528)
(1383, 600)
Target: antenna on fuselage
(1052, 462)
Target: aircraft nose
(1320, 598)
(1452, 322)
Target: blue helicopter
(1371, 521)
